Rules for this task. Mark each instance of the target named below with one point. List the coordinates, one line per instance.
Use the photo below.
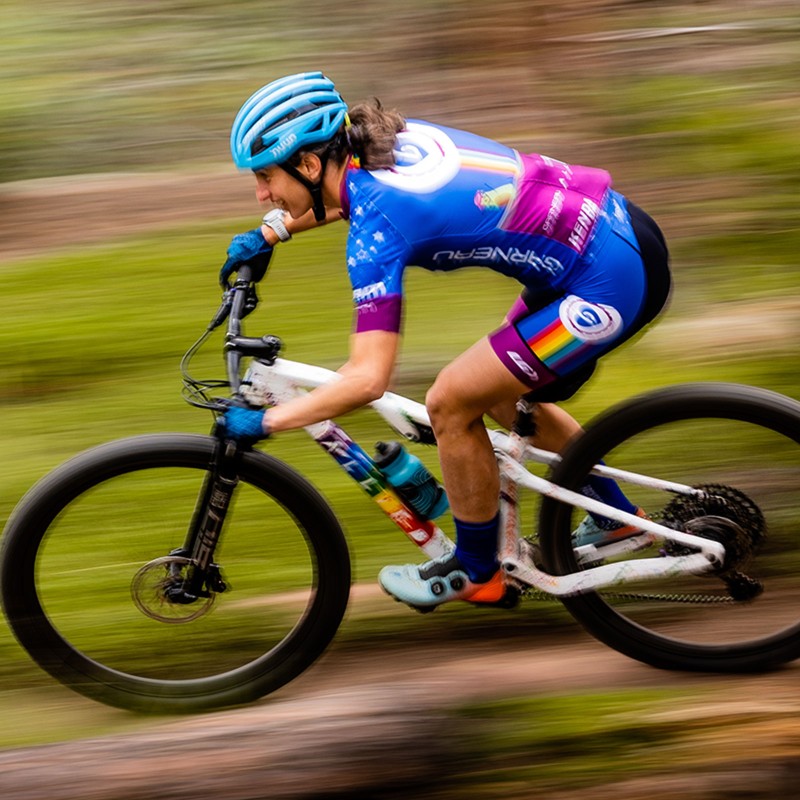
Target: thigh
(475, 382)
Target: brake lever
(250, 300)
(223, 312)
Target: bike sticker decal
(358, 464)
(355, 461)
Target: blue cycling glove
(243, 424)
(249, 248)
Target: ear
(311, 166)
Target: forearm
(363, 378)
(347, 393)
(304, 223)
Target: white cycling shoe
(425, 586)
(589, 532)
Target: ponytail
(372, 134)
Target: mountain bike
(179, 573)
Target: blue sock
(606, 491)
(476, 548)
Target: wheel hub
(157, 591)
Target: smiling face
(274, 185)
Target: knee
(447, 406)
(436, 402)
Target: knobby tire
(663, 636)
(182, 456)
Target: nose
(263, 194)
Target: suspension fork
(208, 520)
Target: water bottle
(411, 479)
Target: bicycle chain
(716, 500)
(529, 593)
(713, 599)
(741, 588)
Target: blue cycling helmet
(285, 116)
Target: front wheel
(88, 552)
(738, 446)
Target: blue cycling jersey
(455, 199)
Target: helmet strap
(315, 189)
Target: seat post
(525, 421)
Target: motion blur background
(118, 199)
(116, 119)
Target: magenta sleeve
(380, 314)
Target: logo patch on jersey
(523, 365)
(589, 322)
(426, 160)
(583, 224)
(371, 292)
(495, 199)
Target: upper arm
(377, 254)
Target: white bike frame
(267, 385)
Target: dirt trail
(379, 724)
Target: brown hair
(371, 137)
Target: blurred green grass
(552, 743)
(106, 86)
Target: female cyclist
(593, 267)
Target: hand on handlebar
(249, 248)
(243, 424)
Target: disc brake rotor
(150, 591)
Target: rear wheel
(87, 559)
(739, 446)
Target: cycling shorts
(551, 340)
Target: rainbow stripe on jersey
(577, 328)
(555, 345)
(489, 162)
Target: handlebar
(237, 302)
(239, 298)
